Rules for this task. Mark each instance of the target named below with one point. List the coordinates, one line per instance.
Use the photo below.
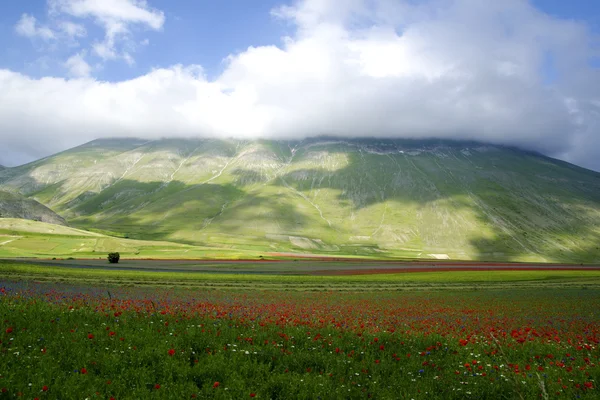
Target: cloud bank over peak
(500, 72)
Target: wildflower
(157, 386)
(9, 329)
(252, 394)
(216, 385)
(171, 352)
(83, 371)
(44, 388)
(90, 336)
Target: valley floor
(300, 337)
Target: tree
(113, 258)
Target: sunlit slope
(24, 238)
(396, 197)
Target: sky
(523, 73)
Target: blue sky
(200, 32)
(515, 72)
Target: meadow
(69, 333)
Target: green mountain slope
(14, 205)
(421, 199)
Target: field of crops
(82, 341)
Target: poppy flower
(157, 386)
(216, 385)
(83, 371)
(171, 352)
(44, 388)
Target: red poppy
(90, 336)
(44, 388)
(9, 329)
(83, 371)
(157, 386)
(252, 394)
(216, 385)
(171, 352)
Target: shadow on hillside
(155, 210)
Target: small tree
(113, 258)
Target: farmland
(142, 334)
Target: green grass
(89, 342)
(277, 281)
(23, 238)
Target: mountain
(399, 198)
(14, 205)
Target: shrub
(113, 258)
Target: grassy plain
(255, 342)
(23, 238)
(281, 276)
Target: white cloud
(116, 17)
(459, 69)
(78, 67)
(73, 30)
(28, 27)
(129, 11)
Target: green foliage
(114, 257)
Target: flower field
(62, 341)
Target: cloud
(73, 30)
(28, 27)
(116, 17)
(500, 72)
(78, 67)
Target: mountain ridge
(14, 205)
(405, 198)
